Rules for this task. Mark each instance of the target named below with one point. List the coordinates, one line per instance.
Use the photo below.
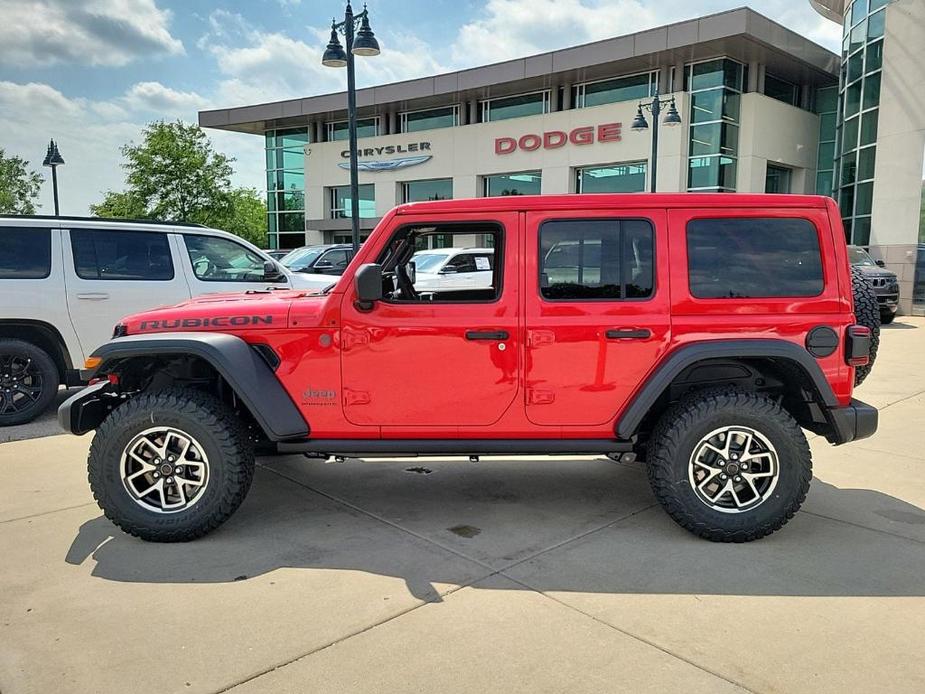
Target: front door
(433, 358)
(597, 311)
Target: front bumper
(852, 423)
(86, 409)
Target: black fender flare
(690, 354)
(242, 367)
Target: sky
(92, 73)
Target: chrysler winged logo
(388, 164)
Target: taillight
(857, 345)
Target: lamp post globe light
(53, 159)
(362, 42)
(640, 124)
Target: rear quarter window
(25, 253)
(753, 258)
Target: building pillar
(664, 77)
(761, 72)
(753, 69)
(567, 97)
(392, 119)
(466, 187)
(554, 98)
(473, 111)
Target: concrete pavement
(508, 575)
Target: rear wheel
(28, 381)
(170, 466)
(729, 466)
(867, 313)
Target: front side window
(334, 259)
(25, 253)
(341, 202)
(216, 259)
(596, 259)
(121, 255)
(741, 258)
(416, 269)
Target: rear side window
(589, 259)
(753, 258)
(25, 253)
(121, 255)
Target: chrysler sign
(553, 139)
(389, 164)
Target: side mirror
(324, 264)
(880, 263)
(271, 272)
(368, 285)
(448, 270)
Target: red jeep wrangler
(696, 333)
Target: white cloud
(91, 133)
(93, 32)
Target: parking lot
(429, 575)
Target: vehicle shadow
(898, 324)
(625, 546)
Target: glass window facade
(782, 90)
(612, 91)
(522, 183)
(432, 189)
(341, 202)
(625, 177)
(826, 106)
(858, 115)
(339, 130)
(716, 88)
(777, 179)
(413, 121)
(285, 158)
(514, 106)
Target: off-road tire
(212, 423)
(886, 317)
(46, 369)
(682, 427)
(867, 313)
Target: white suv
(66, 281)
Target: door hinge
(540, 397)
(535, 338)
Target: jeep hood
(229, 313)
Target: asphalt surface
(513, 575)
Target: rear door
(110, 273)
(597, 311)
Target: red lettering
(609, 132)
(582, 136)
(528, 143)
(554, 139)
(505, 145)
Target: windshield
(301, 258)
(429, 262)
(858, 256)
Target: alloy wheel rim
(164, 470)
(734, 469)
(21, 384)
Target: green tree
(125, 205)
(176, 174)
(245, 215)
(19, 186)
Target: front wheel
(886, 317)
(170, 466)
(729, 466)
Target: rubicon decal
(216, 322)
(553, 139)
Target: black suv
(884, 282)
(330, 259)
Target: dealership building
(762, 109)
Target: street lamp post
(672, 118)
(53, 159)
(362, 42)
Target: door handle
(629, 334)
(487, 335)
(93, 296)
